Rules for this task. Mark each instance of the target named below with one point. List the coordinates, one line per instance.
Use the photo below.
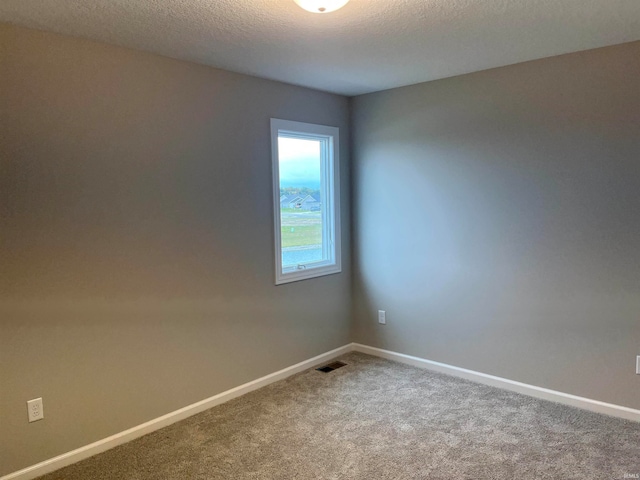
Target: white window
(306, 188)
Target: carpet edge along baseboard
(112, 441)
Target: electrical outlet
(35, 410)
(638, 365)
(382, 317)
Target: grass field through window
(300, 228)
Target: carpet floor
(376, 419)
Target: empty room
(319, 239)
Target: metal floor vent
(331, 367)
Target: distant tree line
(302, 191)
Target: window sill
(304, 274)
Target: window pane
(307, 221)
(301, 219)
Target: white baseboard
(511, 385)
(100, 446)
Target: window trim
(330, 168)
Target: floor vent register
(331, 367)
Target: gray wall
(497, 221)
(136, 259)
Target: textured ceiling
(368, 45)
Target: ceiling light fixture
(321, 6)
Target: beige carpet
(376, 419)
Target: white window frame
(329, 193)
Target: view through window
(300, 201)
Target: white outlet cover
(35, 410)
(638, 365)
(382, 317)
